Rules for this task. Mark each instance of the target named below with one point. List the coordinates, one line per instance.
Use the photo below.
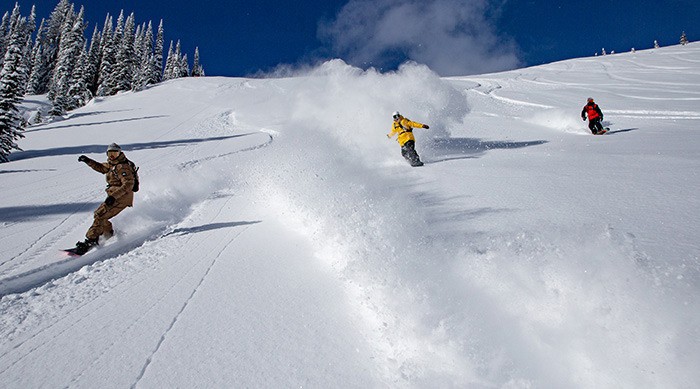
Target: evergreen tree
(145, 73)
(197, 69)
(78, 91)
(92, 69)
(168, 73)
(27, 51)
(10, 92)
(104, 87)
(126, 62)
(157, 65)
(51, 41)
(72, 42)
(684, 39)
(184, 67)
(37, 69)
(4, 35)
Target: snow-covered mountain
(280, 240)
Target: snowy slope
(279, 239)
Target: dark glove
(601, 118)
(82, 158)
(110, 200)
(426, 126)
(584, 119)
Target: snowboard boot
(84, 247)
(108, 234)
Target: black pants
(595, 126)
(408, 150)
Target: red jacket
(592, 110)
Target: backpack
(135, 170)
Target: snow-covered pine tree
(4, 35)
(78, 92)
(169, 64)
(157, 65)
(51, 41)
(125, 65)
(184, 67)
(8, 20)
(37, 70)
(104, 87)
(684, 39)
(177, 61)
(138, 57)
(92, 70)
(197, 69)
(27, 60)
(145, 72)
(10, 92)
(72, 41)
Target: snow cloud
(452, 37)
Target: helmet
(395, 114)
(114, 147)
(590, 99)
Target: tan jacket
(119, 176)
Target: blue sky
(453, 37)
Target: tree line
(56, 60)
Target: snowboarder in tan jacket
(120, 184)
(404, 128)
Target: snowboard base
(72, 252)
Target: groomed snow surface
(280, 240)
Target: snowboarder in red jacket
(595, 117)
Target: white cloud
(452, 37)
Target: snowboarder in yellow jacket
(120, 194)
(404, 128)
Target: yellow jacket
(404, 128)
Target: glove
(82, 158)
(110, 200)
(584, 119)
(426, 126)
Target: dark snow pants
(595, 125)
(408, 150)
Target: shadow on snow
(32, 212)
(49, 127)
(100, 149)
(209, 227)
(619, 131)
(446, 149)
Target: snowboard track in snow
(183, 308)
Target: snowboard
(72, 252)
(605, 130)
